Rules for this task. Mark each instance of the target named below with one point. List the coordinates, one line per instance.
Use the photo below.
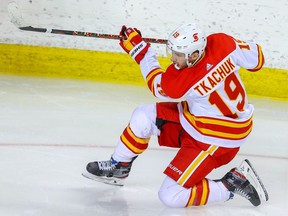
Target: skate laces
(106, 165)
(238, 190)
(242, 193)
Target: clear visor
(168, 52)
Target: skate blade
(250, 173)
(104, 179)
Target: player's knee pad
(143, 120)
(172, 194)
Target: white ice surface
(51, 128)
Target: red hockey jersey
(215, 108)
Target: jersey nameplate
(208, 83)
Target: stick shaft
(86, 34)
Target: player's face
(178, 60)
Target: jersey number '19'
(233, 89)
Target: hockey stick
(17, 20)
(86, 34)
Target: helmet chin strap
(190, 64)
(175, 65)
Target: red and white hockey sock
(205, 192)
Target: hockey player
(210, 124)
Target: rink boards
(114, 67)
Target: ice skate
(250, 173)
(236, 181)
(108, 172)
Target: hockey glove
(131, 41)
